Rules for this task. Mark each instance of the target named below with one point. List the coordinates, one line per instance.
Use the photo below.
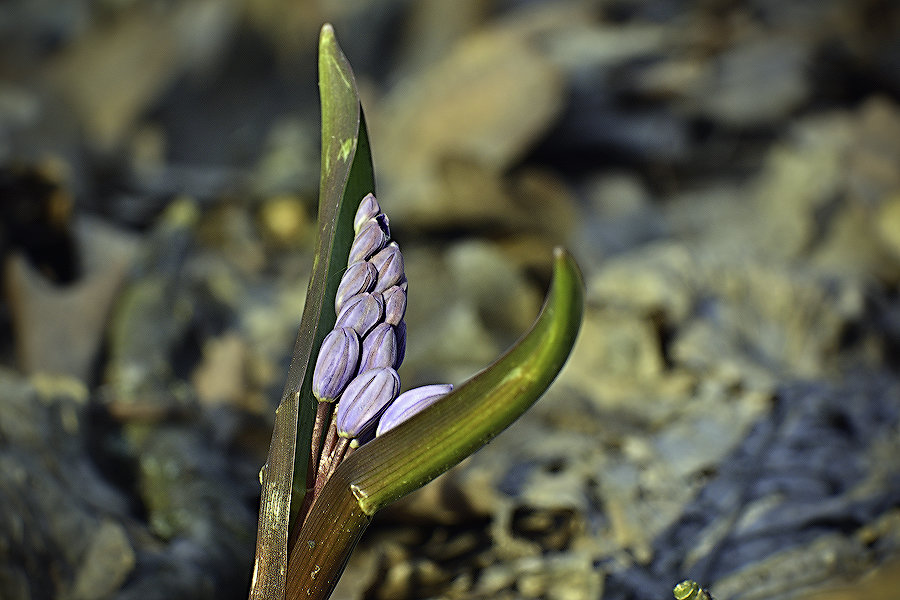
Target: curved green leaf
(420, 449)
(431, 442)
(346, 176)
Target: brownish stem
(348, 450)
(338, 454)
(323, 419)
(327, 448)
(330, 462)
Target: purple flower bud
(368, 208)
(394, 304)
(409, 403)
(389, 263)
(379, 348)
(358, 278)
(336, 364)
(370, 239)
(400, 331)
(364, 400)
(361, 313)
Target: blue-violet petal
(368, 208)
(379, 348)
(409, 403)
(389, 262)
(365, 398)
(336, 364)
(370, 239)
(361, 313)
(394, 304)
(358, 278)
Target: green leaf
(420, 449)
(426, 445)
(346, 176)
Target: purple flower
(336, 364)
(370, 239)
(409, 403)
(364, 400)
(389, 263)
(358, 278)
(379, 348)
(394, 304)
(361, 312)
(368, 208)
(382, 221)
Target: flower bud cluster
(358, 361)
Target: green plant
(690, 590)
(323, 531)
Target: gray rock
(57, 513)
(756, 82)
(48, 318)
(109, 559)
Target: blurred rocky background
(727, 173)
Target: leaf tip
(564, 261)
(327, 37)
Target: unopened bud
(379, 348)
(364, 400)
(409, 403)
(368, 208)
(336, 364)
(361, 313)
(394, 304)
(389, 263)
(358, 278)
(370, 239)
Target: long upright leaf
(347, 175)
(431, 442)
